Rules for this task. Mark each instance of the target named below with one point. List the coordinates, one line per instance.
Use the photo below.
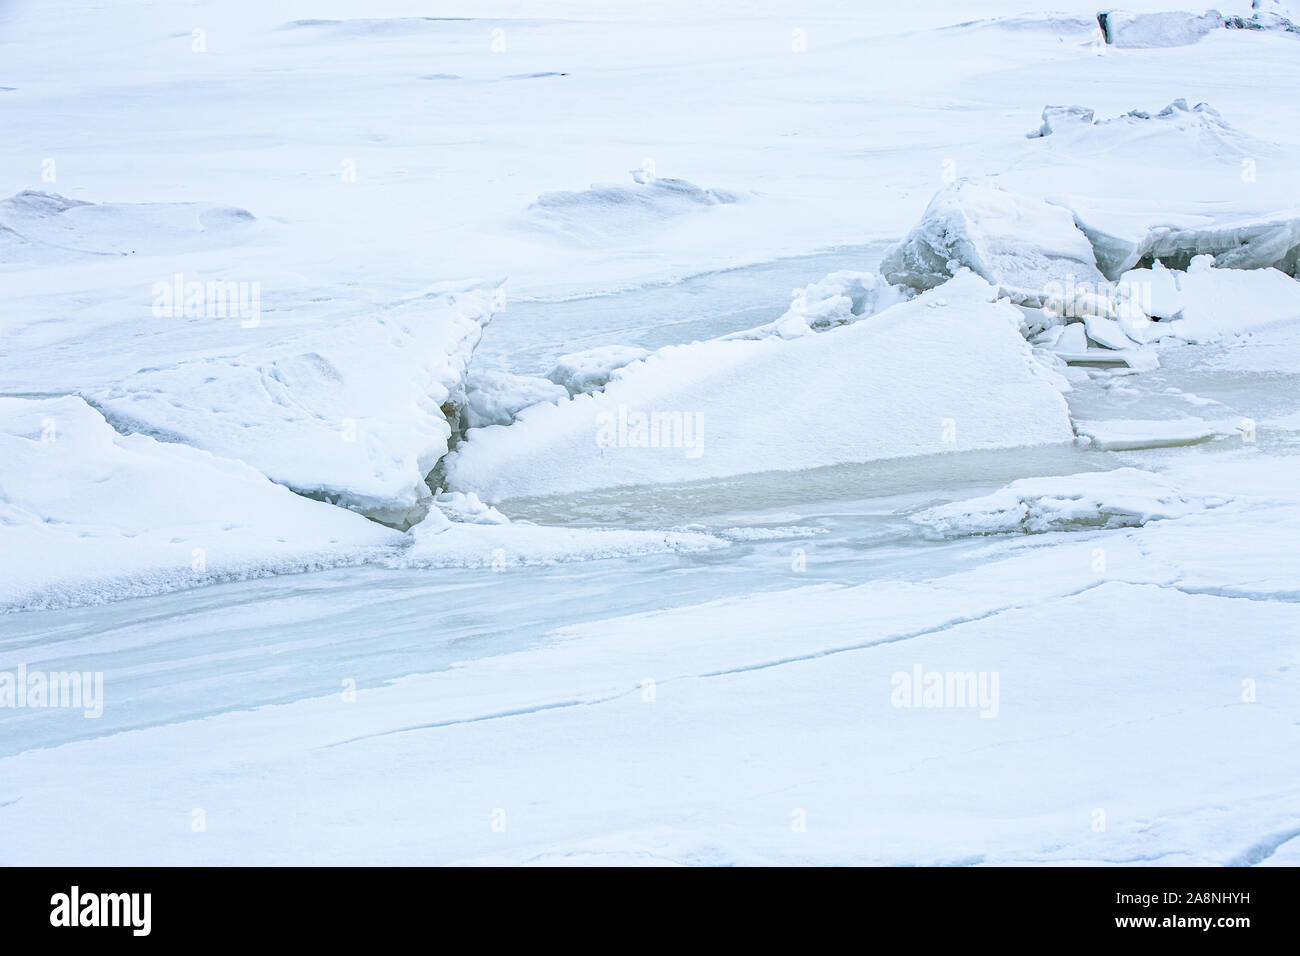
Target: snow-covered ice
(87, 514)
(844, 475)
(357, 415)
(1030, 250)
(1105, 499)
(947, 371)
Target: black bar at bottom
(334, 906)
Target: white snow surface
(725, 686)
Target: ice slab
(1171, 28)
(1128, 434)
(1105, 499)
(88, 515)
(947, 371)
(1205, 304)
(356, 414)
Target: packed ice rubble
(40, 227)
(610, 211)
(1252, 228)
(1121, 28)
(1173, 28)
(494, 397)
(88, 515)
(591, 369)
(946, 371)
(1208, 302)
(1125, 497)
(1041, 256)
(1200, 129)
(1123, 242)
(840, 298)
(1022, 245)
(357, 414)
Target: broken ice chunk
(591, 370)
(1031, 250)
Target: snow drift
(609, 211)
(42, 227)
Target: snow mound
(590, 370)
(495, 397)
(1145, 30)
(1200, 129)
(609, 211)
(88, 515)
(1204, 303)
(947, 371)
(40, 226)
(502, 545)
(1029, 249)
(1126, 497)
(356, 414)
(840, 298)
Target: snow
(783, 682)
(88, 515)
(356, 414)
(1029, 249)
(503, 545)
(40, 227)
(840, 298)
(880, 483)
(1107, 499)
(609, 211)
(1205, 304)
(947, 371)
(591, 370)
(494, 397)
